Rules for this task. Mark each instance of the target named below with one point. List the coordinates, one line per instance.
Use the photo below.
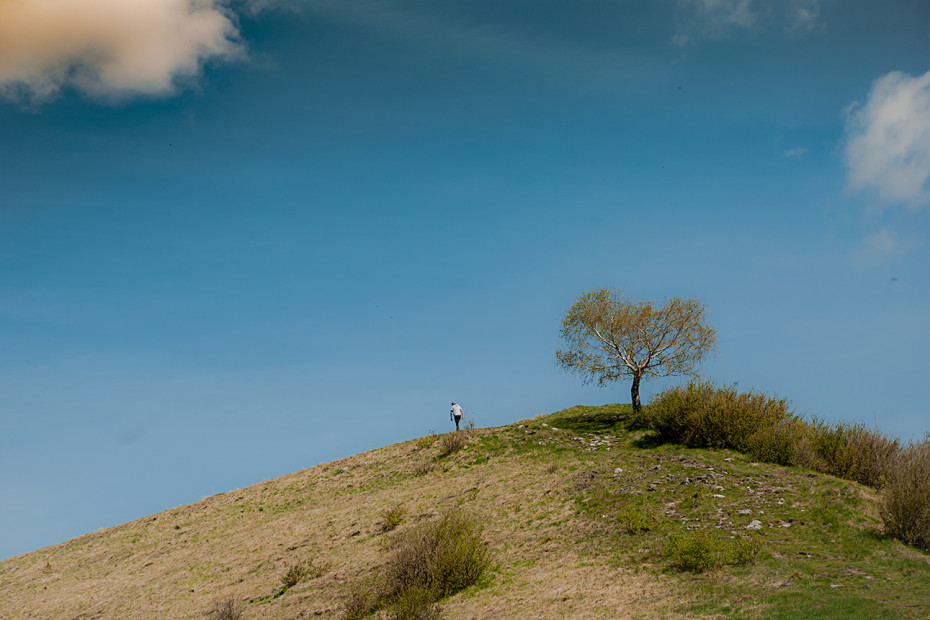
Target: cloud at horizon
(110, 50)
(887, 149)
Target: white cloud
(108, 49)
(797, 152)
(887, 147)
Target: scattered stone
(728, 459)
(717, 495)
(657, 467)
(618, 471)
(745, 511)
(755, 525)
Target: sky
(241, 238)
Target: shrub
(225, 609)
(414, 604)
(452, 442)
(442, 556)
(853, 451)
(636, 519)
(702, 415)
(779, 442)
(695, 551)
(426, 563)
(299, 572)
(392, 517)
(905, 504)
(744, 551)
(424, 468)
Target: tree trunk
(634, 393)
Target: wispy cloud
(525, 49)
(109, 49)
(880, 246)
(803, 16)
(796, 152)
(717, 19)
(887, 149)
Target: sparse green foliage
(392, 517)
(608, 337)
(225, 609)
(905, 505)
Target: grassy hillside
(581, 522)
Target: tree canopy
(608, 336)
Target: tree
(608, 337)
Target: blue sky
(238, 239)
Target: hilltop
(581, 520)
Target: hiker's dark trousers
(458, 419)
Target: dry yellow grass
(239, 544)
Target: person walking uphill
(456, 414)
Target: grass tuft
(392, 517)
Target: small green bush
(426, 563)
(744, 551)
(392, 517)
(636, 519)
(905, 504)
(443, 556)
(695, 551)
(427, 441)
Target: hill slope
(581, 522)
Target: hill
(581, 522)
